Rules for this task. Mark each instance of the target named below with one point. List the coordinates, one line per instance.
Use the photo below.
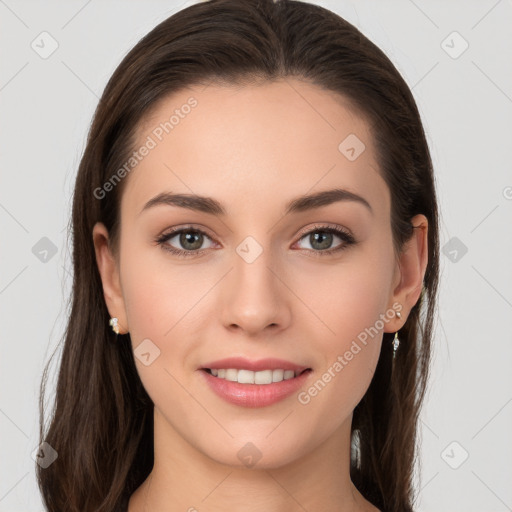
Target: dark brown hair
(101, 422)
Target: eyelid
(326, 225)
(186, 227)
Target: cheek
(160, 295)
(346, 297)
(351, 306)
(163, 305)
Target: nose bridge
(254, 297)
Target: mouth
(247, 383)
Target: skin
(254, 148)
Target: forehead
(251, 144)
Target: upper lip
(241, 363)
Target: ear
(410, 270)
(109, 272)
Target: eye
(190, 240)
(321, 238)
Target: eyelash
(347, 238)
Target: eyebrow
(213, 207)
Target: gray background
(465, 99)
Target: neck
(185, 479)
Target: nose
(254, 296)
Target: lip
(241, 363)
(254, 395)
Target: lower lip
(254, 395)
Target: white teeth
(277, 375)
(245, 376)
(250, 377)
(232, 374)
(289, 374)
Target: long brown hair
(101, 422)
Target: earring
(113, 323)
(395, 343)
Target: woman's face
(261, 279)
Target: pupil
(323, 237)
(187, 238)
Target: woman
(255, 244)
